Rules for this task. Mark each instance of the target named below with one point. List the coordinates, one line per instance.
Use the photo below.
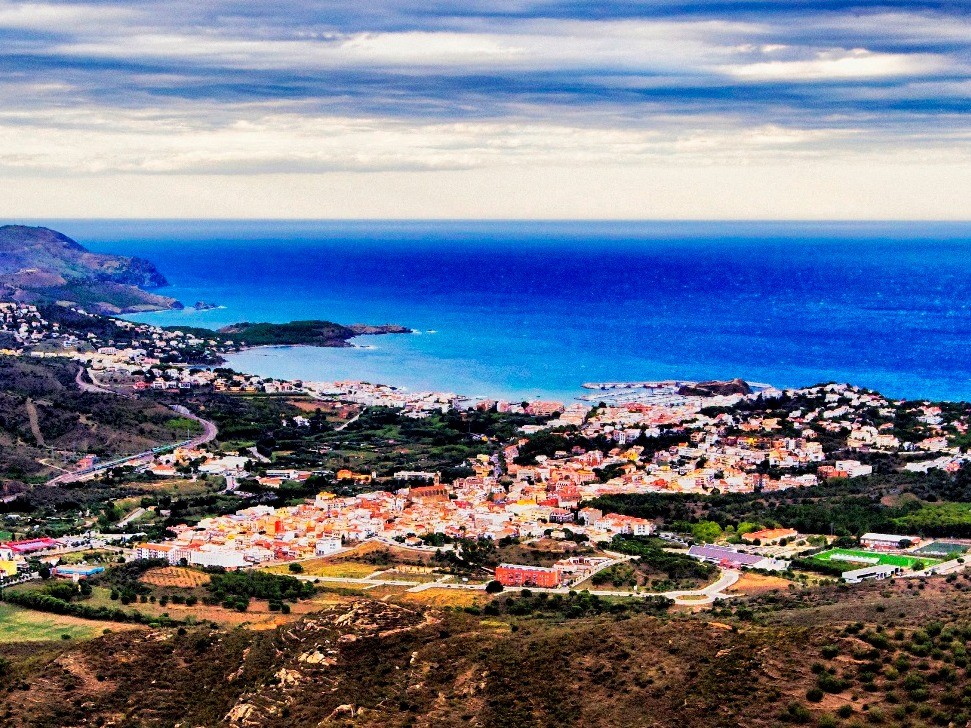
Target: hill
(45, 417)
(303, 333)
(891, 653)
(39, 265)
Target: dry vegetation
(883, 654)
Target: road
(86, 387)
(209, 432)
(34, 422)
(355, 418)
(688, 597)
(137, 513)
(209, 429)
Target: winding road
(209, 432)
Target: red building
(32, 545)
(516, 575)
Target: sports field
(857, 559)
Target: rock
(715, 388)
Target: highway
(209, 432)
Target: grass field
(905, 562)
(435, 597)
(24, 625)
(324, 567)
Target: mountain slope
(38, 264)
(893, 652)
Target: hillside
(303, 333)
(891, 653)
(45, 417)
(41, 265)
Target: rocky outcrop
(715, 388)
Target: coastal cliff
(40, 265)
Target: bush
(295, 568)
(814, 695)
(831, 684)
(493, 587)
(797, 713)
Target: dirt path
(34, 422)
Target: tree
(706, 531)
(295, 568)
(493, 587)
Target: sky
(670, 109)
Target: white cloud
(858, 63)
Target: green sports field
(905, 562)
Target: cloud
(250, 88)
(858, 63)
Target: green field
(905, 562)
(24, 625)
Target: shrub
(797, 713)
(814, 695)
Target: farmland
(175, 576)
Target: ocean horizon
(524, 309)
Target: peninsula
(304, 333)
(40, 265)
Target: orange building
(516, 575)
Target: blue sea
(518, 309)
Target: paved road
(688, 597)
(209, 429)
(209, 432)
(709, 593)
(137, 513)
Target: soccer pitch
(854, 559)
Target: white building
(326, 546)
(870, 573)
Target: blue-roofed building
(77, 571)
(731, 559)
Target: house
(77, 571)
(589, 516)
(515, 575)
(165, 551)
(31, 546)
(327, 546)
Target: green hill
(40, 265)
